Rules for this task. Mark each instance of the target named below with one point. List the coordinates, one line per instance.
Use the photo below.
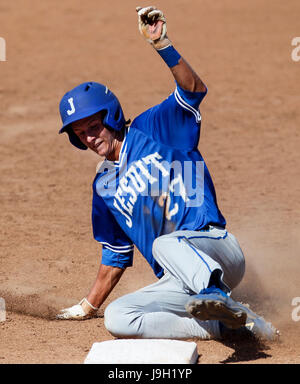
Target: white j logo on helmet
(72, 110)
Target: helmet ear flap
(114, 117)
(74, 139)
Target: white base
(143, 351)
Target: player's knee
(112, 319)
(159, 247)
(155, 246)
(118, 322)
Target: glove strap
(169, 55)
(89, 304)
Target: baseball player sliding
(154, 191)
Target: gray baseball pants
(192, 260)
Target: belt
(206, 228)
(210, 226)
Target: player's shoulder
(99, 167)
(140, 119)
(144, 121)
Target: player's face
(96, 136)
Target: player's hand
(81, 311)
(152, 25)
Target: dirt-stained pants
(192, 260)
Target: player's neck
(114, 155)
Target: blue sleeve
(176, 121)
(116, 259)
(117, 249)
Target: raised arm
(152, 25)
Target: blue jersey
(160, 183)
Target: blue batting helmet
(85, 100)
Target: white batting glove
(81, 311)
(152, 25)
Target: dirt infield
(250, 140)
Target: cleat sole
(217, 310)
